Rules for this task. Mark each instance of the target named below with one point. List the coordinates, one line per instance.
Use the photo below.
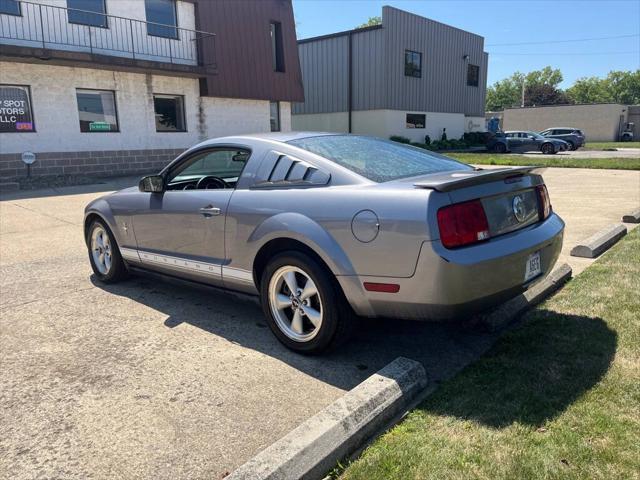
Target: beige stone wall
(600, 123)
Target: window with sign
(97, 110)
(16, 114)
(169, 112)
(416, 120)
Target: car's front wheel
(499, 148)
(104, 254)
(303, 304)
(548, 149)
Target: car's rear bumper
(450, 283)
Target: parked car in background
(323, 225)
(523, 141)
(573, 136)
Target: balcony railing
(58, 28)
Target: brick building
(97, 87)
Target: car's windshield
(535, 135)
(376, 159)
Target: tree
(371, 22)
(589, 90)
(541, 88)
(619, 87)
(624, 86)
(505, 93)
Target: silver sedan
(325, 226)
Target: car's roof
(562, 128)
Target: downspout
(350, 80)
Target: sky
(508, 22)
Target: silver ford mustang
(322, 226)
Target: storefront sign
(15, 109)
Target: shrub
(399, 139)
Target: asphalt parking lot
(149, 379)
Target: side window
(224, 164)
(412, 64)
(79, 11)
(162, 18)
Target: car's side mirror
(151, 184)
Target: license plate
(533, 268)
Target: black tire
(117, 270)
(572, 146)
(499, 148)
(337, 318)
(548, 149)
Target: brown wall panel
(243, 49)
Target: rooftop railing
(51, 27)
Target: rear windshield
(376, 159)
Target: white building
(102, 87)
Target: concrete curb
(600, 242)
(502, 315)
(633, 217)
(314, 447)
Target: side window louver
(290, 171)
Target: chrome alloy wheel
(295, 303)
(101, 250)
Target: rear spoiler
(447, 181)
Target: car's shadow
(443, 349)
(533, 374)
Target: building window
(416, 120)
(79, 12)
(473, 75)
(97, 110)
(274, 113)
(15, 109)
(10, 7)
(169, 112)
(161, 12)
(277, 52)
(412, 64)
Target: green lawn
(556, 398)
(547, 161)
(607, 145)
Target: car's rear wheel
(304, 306)
(548, 149)
(104, 254)
(499, 148)
(572, 146)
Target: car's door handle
(209, 211)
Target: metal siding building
(381, 94)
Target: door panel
(181, 230)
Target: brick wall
(100, 163)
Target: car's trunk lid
(508, 196)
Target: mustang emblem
(519, 209)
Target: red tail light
(463, 224)
(544, 204)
